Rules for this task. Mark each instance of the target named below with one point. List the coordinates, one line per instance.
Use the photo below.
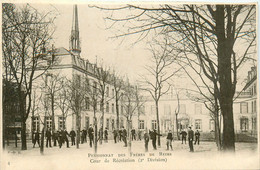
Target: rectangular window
(254, 89)
(107, 124)
(182, 109)
(107, 91)
(211, 125)
(244, 124)
(87, 122)
(107, 107)
(154, 124)
(60, 122)
(113, 108)
(252, 107)
(36, 123)
(244, 107)
(198, 124)
(198, 109)
(141, 124)
(87, 103)
(48, 122)
(94, 87)
(113, 124)
(255, 106)
(254, 123)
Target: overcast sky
(95, 40)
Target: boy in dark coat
(124, 136)
(197, 137)
(90, 135)
(169, 140)
(190, 138)
(115, 135)
(146, 141)
(36, 138)
(72, 136)
(48, 138)
(183, 136)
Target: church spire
(74, 37)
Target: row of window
(244, 124)
(36, 122)
(182, 109)
(244, 107)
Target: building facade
(70, 64)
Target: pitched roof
(62, 51)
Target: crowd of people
(62, 136)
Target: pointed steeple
(74, 37)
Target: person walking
(133, 134)
(120, 135)
(60, 140)
(146, 141)
(139, 134)
(55, 137)
(190, 138)
(197, 137)
(72, 137)
(90, 135)
(85, 135)
(169, 139)
(124, 136)
(115, 135)
(48, 138)
(36, 138)
(153, 136)
(106, 134)
(65, 138)
(183, 136)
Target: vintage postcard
(137, 85)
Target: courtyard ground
(115, 156)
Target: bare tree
(26, 36)
(103, 77)
(92, 94)
(160, 72)
(117, 84)
(213, 34)
(76, 92)
(130, 108)
(52, 87)
(177, 111)
(62, 100)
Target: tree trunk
(23, 135)
(52, 113)
(95, 132)
(217, 139)
(228, 127)
(178, 135)
(224, 50)
(158, 122)
(4, 129)
(42, 140)
(129, 136)
(117, 114)
(78, 129)
(102, 121)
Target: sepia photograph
(143, 85)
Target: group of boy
(61, 136)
